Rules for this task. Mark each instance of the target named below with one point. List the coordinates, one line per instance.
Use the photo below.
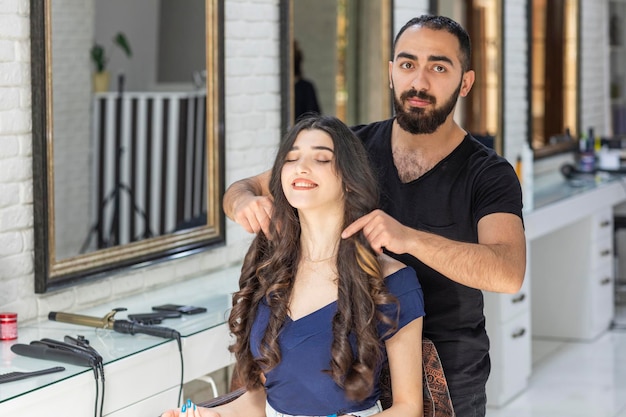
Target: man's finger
(356, 225)
(264, 224)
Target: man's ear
(390, 79)
(468, 81)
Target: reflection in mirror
(351, 82)
(554, 73)
(126, 133)
(480, 113)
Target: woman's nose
(302, 166)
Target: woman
(314, 319)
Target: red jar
(8, 326)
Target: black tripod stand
(113, 237)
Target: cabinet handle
(605, 252)
(521, 332)
(605, 281)
(518, 299)
(605, 223)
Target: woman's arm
(404, 350)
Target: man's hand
(382, 231)
(253, 213)
(248, 203)
(496, 263)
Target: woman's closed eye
(322, 159)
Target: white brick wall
(16, 219)
(595, 109)
(515, 76)
(252, 133)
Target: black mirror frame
(53, 274)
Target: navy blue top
(298, 385)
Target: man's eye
(439, 68)
(406, 65)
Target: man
(450, 207)
(305, 94)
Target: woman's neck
(319, 240)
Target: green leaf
(121, 41)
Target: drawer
(602, 296)
(152, 406)
(601, 253)
(602, 224)
(503, 307)
(510, 360)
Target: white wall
(595, 109)
(515, 132)
(252, 133)
(139, 22)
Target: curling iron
(122, 326)
(109, 322)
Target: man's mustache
(417, 94)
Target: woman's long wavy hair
(270, 267)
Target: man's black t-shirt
(449, 200)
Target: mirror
(349, 81)
(128, 170)
(352, 82)
(553, 75)
(481, 112)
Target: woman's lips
(303, 184)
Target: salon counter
(142, 372)
(568, 287)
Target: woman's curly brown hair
(270, 267)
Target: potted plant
(100, 59)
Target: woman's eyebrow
(315, 147)
(323, 148)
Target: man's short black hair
(435, 22)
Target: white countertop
(212, 292)
(558, 202)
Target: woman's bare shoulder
(389, 265)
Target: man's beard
(416, 120)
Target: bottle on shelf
(587, 157)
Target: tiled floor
(575, 379)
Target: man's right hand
(253, 213)
(248, 202)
